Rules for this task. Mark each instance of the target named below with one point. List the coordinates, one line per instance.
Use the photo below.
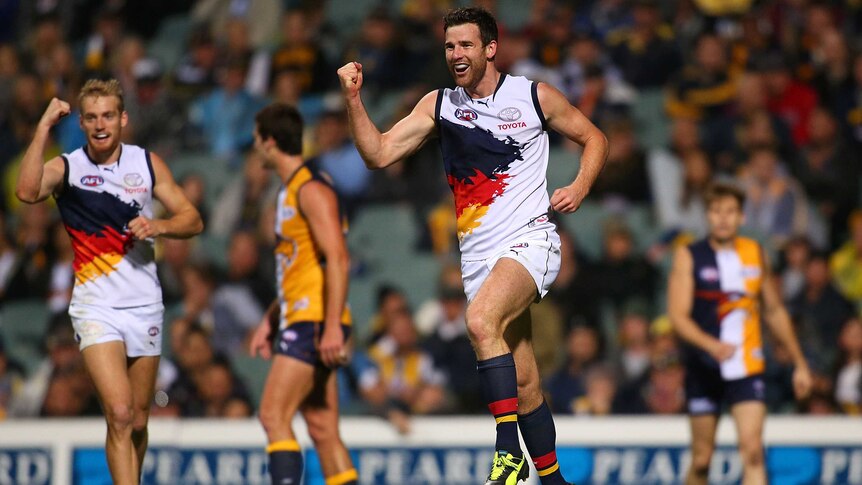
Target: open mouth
(461, 68)
(101, 136)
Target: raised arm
(184, 221)
(680, 293)
(380, 150)
(37, 180)
(779, 323)
(571, 123)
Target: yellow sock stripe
(549, 470)
(283, 445)
(343, 477)
(506, 419)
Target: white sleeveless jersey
(97, 202)
(495, 151)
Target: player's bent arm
(778, 319)
(185, 221)
(680, 293)
(380, 150)
(567, 120)
(37, 180)
(320, 206)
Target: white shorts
(140, 327)
(538, 252)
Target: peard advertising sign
(641, 465)
(25, 465)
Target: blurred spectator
(128, 53)
(241, 203)
(679, 192)
(11, 380)
(600, 389)
(573, 292)
(413, 383)
(225, 116)
(645, 52)
(222, 394)
(661, 392)
(380, 52)
(236, 47)
(194, 355)
(819, 311)
(794, 261)
(338, 157)
(833, 76)
(60, 385)
(194, 187)
(845, 265)
(564, 387)
(390, 302)
(105, 37)
(262, 17)
(623, 276)
(31, 277)
(848, 368)
(775, 204)
(235, 309)
(175, 255)
(792, 100)
(155, 121)
(585, 52)
(243, 269)
(624, 177)
(300, 54)
(8, 257)
(828, 171)
(705, 88)
(633, 357)
(443, 321)
(196, 72)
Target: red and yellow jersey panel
(299, 263)
(727, 297)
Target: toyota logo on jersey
(466, 114)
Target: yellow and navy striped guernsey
(728, 286)
(299, 263)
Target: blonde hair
(97, 87)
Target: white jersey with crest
(97, 202)
(495, 152)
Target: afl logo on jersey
(133, 179)
(466, 114)
(509, 114)
(92, 180)
(286, 212)
(709, 274)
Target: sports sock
(347, 477)
(537, 428)
(499, 382)
(285, 462)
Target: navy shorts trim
(706, 391)
(301, 340)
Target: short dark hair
(473, 15)
(719, 190)
(282, 123)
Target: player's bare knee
(481, 329)
(322, 434)
(751, 452)
(120, 417)
(701, 456)
(271, 419)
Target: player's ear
(124, 118)
(491, 50)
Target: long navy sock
(285, 462)
(499, 383)
(540, 435)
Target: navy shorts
(706, 391)
(301, 340)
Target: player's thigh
(749, 417)
(106, 364)
(142, 373)
(506, 293)
(320, 407)
(287, 385)
(703, 428)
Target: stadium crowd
(765, 93)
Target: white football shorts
(140, 327)
(538, 252)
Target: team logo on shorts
(466, 114)
(133, 179)
(289, 336)
(709, 274)
(92, 180)
(509, 114)
(153, 331)
(520, 245)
